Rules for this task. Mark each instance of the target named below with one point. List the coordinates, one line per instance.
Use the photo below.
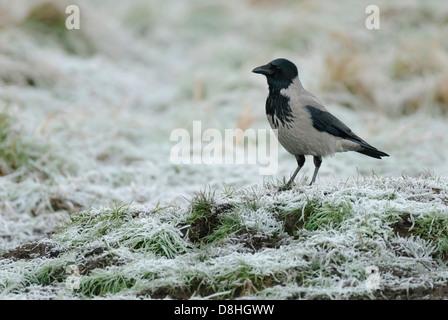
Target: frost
(339, 231)
(85, 123)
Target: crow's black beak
(266, 70)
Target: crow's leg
(317, 162)
(300, 162)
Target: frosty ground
(86, 180)
(309, 242)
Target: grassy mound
(306, 243)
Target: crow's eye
(274, 67)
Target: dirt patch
(97, 258)
(291, 223)
(256, 241)
(422, 293)
(58, 204)
(207, 222)
(295, 219)
(95, 252)
(196, 288)
(33, 250)
(403, 227)
(202, 227)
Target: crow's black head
(279, 72)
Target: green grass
(210, 221)
(23, 155)
(122, 227)
(305, 243)
(148, 236)
(108, 217)
(15, 151)
(103, 281)
(201, 205)
(434, 227)
(228, 224)
(315, 215)
(326, 216)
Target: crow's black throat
(277, 105)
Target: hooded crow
(304, 126)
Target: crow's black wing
(324, 121)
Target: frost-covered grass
(85, 121)
(309, 242)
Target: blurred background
(86, 115)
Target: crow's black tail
(367, 149)
(373, 152)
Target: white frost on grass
(91, 112)
(342, 229)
